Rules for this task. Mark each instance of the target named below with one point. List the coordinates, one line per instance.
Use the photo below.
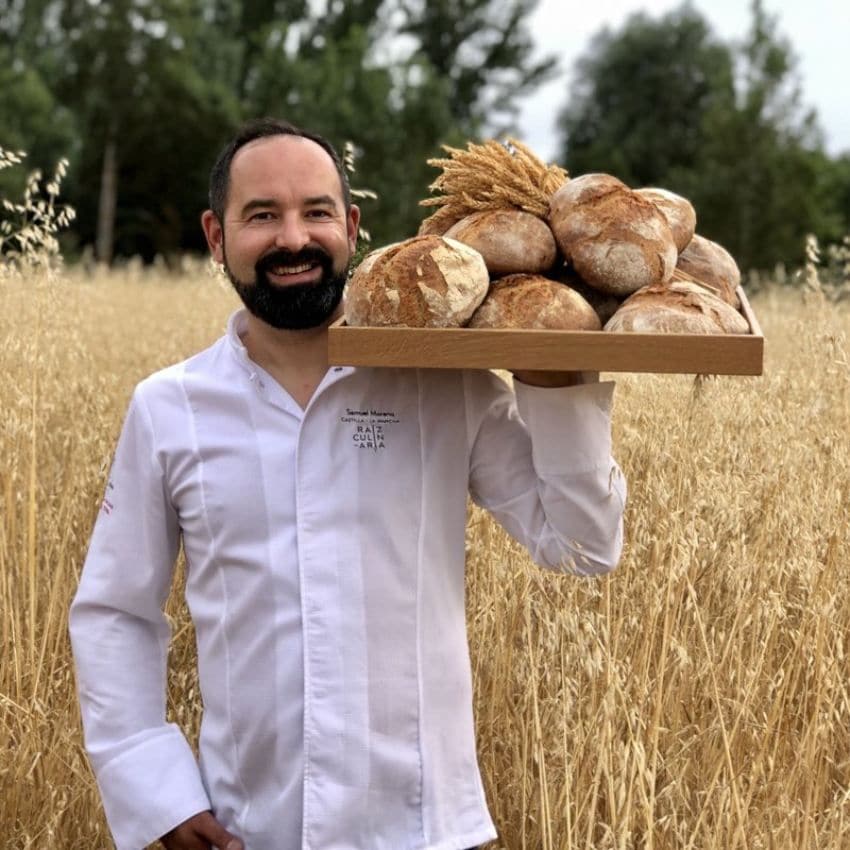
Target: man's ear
(214, 233)
(353, 226)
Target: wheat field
(695, 698)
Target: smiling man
(322, 513)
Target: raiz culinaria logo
(369, 428)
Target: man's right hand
(201, 832)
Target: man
(325, 580)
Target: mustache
(282, 257)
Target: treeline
(139, 95)
(664, 102)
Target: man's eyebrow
(320, 201)
(256, 203)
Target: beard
(297, 306)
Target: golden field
(698, 697)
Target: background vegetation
(139, 95)
(698, 698)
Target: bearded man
(325, 581)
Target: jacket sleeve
(541, 463)
(147, 774)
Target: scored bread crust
(711, 264)
(680, 307)
(511, 241)
(679, 212)
(615, 239)
(534, 301)
(425, 281)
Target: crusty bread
(711, 265)
(604, 303)
(426, 281)
(678, 307)
(511, 241)
(679, 212)
(533, 301)
(439, 222)
(616, 240)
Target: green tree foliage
(32, 121)
(663, 102)
(763, 159)
(481, 50)
(640, 96)
(152, 88)
(31, 117)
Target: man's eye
(261, 216)
(318, 214)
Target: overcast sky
(819, 31)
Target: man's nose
(291, 233)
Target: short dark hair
(259, 128)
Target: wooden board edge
(748, 313)
(749, 360)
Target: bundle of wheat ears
(490, 176)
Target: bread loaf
(615, 239)
(426, 281)
(713, 266)
(533, 301)
(511, 241)
(439, 222)
(679, 212)
(678, 307)
(604, 304)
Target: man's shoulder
(210, 364)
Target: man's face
(286, 239)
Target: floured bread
(511, 241)
(615, 239)
(439, 222)
(678, 307)
(604, 304)
(533, 301)
(426, 281)
(679, 212)
(713, 266)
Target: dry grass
(696, 698)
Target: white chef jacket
(325, 552)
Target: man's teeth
(281, 270)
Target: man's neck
(297, 360)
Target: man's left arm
(542, 464)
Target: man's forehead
(272, 167)
(282, 154)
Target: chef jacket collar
(237, 324)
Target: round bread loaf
(713, 266)
(615, 239)
(678, 307)
(511, 241)
(679, 212)
(604, 304)
(426, 281)
(439, 221)
(534, 301)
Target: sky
(818, 30)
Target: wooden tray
(472, 348)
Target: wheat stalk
(490, 176)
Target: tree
(482, 49)
(763, 160)
(664, 102)
(640, 95)
(31, 117)
(154, 87)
